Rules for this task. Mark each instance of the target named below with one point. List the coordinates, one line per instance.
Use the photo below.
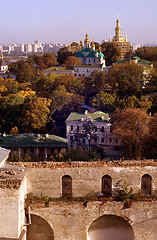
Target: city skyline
(68, 21)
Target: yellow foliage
(14, 131)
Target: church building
(123, 44)
(88, 55)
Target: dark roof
(32, 140)
(88, 66)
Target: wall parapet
(103, 163)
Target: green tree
(96, 82)
(25, 72)
(131, 128)
(111, 52)
(10, 109)
(126, 79)
(103, 101)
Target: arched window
(146, 184)
(106, 188)
(66, 185)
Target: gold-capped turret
(81, 45)
(118, 37)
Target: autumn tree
(71, 61)
(35, 114)
(150, 147)
(131, 127)
(63, 53)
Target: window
(146, 184)
(106, 187)
(25, 150)
(102, 129)
(102, 140)
(87, 70)
(78, 128)
(96, 139)
(66, 185)
(96, 129)
(71, 128)
(116, 140)
(71, 138)
(84, 140)
(110, 140)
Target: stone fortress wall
(71, 220)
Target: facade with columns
(43, 145)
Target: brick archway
(39, 229)
(109, 227)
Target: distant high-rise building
(28, 48)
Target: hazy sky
(66, 21)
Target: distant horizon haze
(67, 21)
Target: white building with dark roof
(3, 66)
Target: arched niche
(146, 184)
(39, 229)
(110, 227)
(66, 185)
(106, 186)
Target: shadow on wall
(39, 229)
(109, 227)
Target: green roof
(139, 60)
(85, 50)
(58, 69)
(32, 140)
(79, 54)
(91, 54)
(101, 54)
(95, 117)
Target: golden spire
(126, 39)
(87, 39)
(2, 56)
(81, 45)
(93, 46)
(117, 36)
(110, 38)
(99, 47)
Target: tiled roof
(95, 117)
(32, 140)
